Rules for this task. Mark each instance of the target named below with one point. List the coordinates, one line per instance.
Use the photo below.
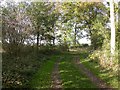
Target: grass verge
(106, 75)
(42, 79)
(71, 76)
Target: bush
(17, 70)
(85, 45)
(63, 48)
(104, 59)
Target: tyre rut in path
(97, 81)
(56, 81)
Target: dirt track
(56, 81)
(97, 81)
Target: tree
(12, 27)
(112, 27)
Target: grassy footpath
(94, 67)
(37, 74)
(71, 76)
(42, 79)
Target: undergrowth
(102, 69)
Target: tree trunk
(54, 41)
(75, 35)
(112, 27)
(38, 34)
(54, 38)
(112, 48)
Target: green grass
(42, 79)
(71, 76)
(35, 71)
(104, 74)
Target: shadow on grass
(71, 76)
(103, 73)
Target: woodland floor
(68, 71)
